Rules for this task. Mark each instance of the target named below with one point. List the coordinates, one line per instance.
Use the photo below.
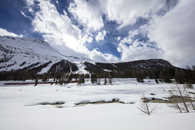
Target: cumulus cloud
(174, 33)
(134, 49)
(101, 57)
(4, 32)
(59, 31)
(88, 13)
(126, 11)
(137, 52)
(100, 36)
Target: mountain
(19, 53)
(151, 64)
(25, 55)
(23, 58)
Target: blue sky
(103, 30)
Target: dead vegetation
(114, 100)
(51, 103)
(146, 108)
(179, 97)
(99, 102)
(171, 99)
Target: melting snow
(18, 113)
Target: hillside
(26, 58)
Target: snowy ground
(20, 109)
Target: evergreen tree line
(182, 76)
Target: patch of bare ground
(114, 100)
(171, 99)
(57, 104)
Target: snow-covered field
(21, 109)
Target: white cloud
(30, 2)
(100, 36)
(137, 52)
(4, 32)
(63, 35)
(174, 33)
(126, 11)
(118, 38)
(58, 29)
(100, 57)
(88, 13)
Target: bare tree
(179, 97)
(183, 99)
(98, 79)
(110, 79)
(145, 107)
(185, 87)
(36, 81)
(105, 80)
(193, 107)
(176, 102)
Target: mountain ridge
(23, 56)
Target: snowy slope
(20, 53)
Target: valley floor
(90, 107)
